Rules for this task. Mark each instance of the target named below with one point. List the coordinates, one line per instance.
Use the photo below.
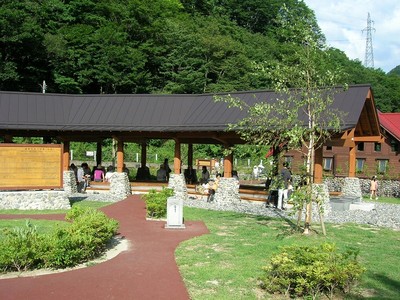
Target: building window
(328, 148)
(327, 163)
(360, 164)
(394, 146)
(382, 165)
(378, 147)
(360, 146)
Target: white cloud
(342, 22)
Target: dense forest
(160, 46)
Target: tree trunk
(299, 215)
(310, 172)
(321, 217)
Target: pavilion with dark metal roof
(187, 119)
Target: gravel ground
(384, 215)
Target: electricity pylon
(369, 51)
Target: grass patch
(92, 204)
(43, 226)
(391, 200)
(228, 261)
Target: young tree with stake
(300, 115)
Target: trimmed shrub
(85, 238)
(156, 202)
(19, 249)
(303, 271)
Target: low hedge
(304, 271)
(85, 238)
(156, 202)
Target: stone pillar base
(69, 182)
(178, 184)
(352, 188)
(120, 186)
(227, 192)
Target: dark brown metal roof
(151, 115)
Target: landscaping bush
(19, 248)
(85, 238)
(156, 202)
(301, 271)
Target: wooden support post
(99, 156)
(143, 159)
(190, 155)
(177, 157)
(352, 161)
(228, 165)
(66, 161)
(318, 160)
(120, 156)
(46, 140)
(8, 139)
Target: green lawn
(228, 261)
(383, 200)
(94, 204)
(43, 226)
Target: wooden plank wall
(30, 166)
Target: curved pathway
(146, 271)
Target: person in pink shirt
(98, 174)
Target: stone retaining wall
(120, 188)
(34, 200)
(386, 188)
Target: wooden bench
(253, 193)
(246, 192)
(335, 194)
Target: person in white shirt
(109, 174)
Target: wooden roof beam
(376, 139)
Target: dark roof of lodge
(141, 113)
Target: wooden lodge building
(372, 158)
(186, 119)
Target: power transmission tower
(369, 51)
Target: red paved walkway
(146, 271)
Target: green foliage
(85, 238)
(20, 248)
(395, 71)
(301, 271)
(301, 113)
(156, 202)
(228, 261)
(300, 197)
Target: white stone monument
(174, 213)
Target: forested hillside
(159, 46)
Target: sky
(343, 21)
